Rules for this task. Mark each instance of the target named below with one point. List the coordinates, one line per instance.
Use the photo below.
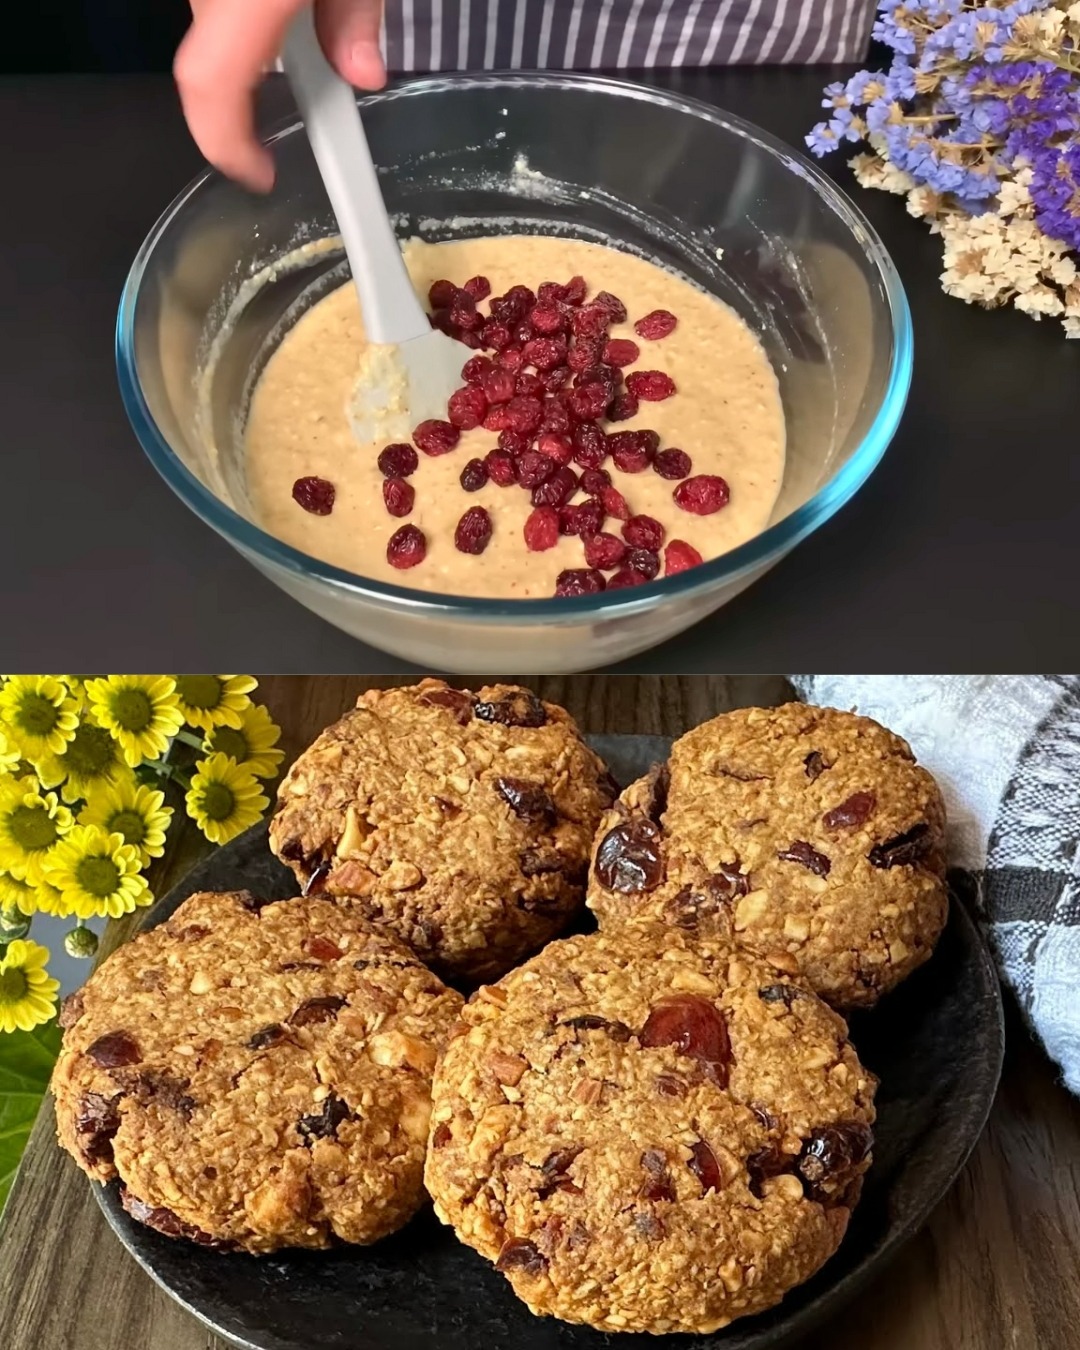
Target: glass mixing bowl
(702, 192)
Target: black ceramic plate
(936, 1044)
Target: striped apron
(423, 35)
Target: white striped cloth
(424, 35)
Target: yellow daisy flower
(38, 713)
(141, 711)
(28, 899)
(27, 992)
(224, 799)
(209, 701)
(31, 822)
(135, 812)
(77, 685)
(251, 743)
(9, 753)
(97, 873)
(91, 760)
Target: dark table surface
(960, 553)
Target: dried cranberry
(407, 547)
(584, 354)
(555, 379)
(672, 464)
(588, 517)
(472, 340)
(658, 1185)
(528, 801)
(591, 322)
(165, 1221)
(542, 529)
(579, 581)
(315, 1010)
(545, 353)
(623, 407)
(474, 475)
(520, 1254)
(766, 1162)
(695, 1027)
(498, 418)
(500, 468)
(704, 1166)
(618, 1031)
(533, 468)
(441, 1135)
(656, 325)
(325, 1124)
(463, 311)
(645, 561)
(514, 441)
(398, 461)
(435, 437)
(478, 287)
(575, 291)
(652, 386)
(611, 305)
(115, 1050)
(590, 445)
(802, 853)
(703, 495)
(643, 532)
(559, 488)
(815, 765)
(497, 336)
(556, 447)
(467, 408)
(594, 481)
(830, 1151)
(679, 556)
(498, 385)
(615, 503)
(474, 368)
(550, 293)
(322, 949)
(441, 320)
(548, 319)
(518, 709)
(98, 1117)
(524, 414)
(625, 576)
(629, 858)
(621, 352)
(633, 451)
(398, 496)
(903, 850)
(590, 400)
(856, 810)
(604, 551)
(315, 495)
(528, 385)
(441, 295)
(272, 1034)
(473, 532)
(556, 417)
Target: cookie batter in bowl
(725, 414)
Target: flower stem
(187, 738)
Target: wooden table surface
(996, 1268)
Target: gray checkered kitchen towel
(1006, 751)
(620, 34)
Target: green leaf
(26, 1062)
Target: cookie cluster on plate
(659, 1126)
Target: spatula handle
(392, 313)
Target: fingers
(218, 67)
(349, 33)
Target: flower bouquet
(977, 122)
(87, 771)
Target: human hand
(229, 47)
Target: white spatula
(412, 368)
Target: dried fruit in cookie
(324, 1124)
(520, 708)
(830, 1151)
(704, 1166)
(520, 1254)
(629, 859)
(803, 853)
(695, 1027)
(903, 850)
(115, 1050)
(528, 801)
(856, 810)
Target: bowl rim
(739, 564)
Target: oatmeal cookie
(810, 836)
(462, 821)
(649, 1133)
(257, 1075)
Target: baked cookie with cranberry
(257, 1075)
(649, 1133)
(462, 821)
(810, 836)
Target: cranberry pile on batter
(553, 383)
